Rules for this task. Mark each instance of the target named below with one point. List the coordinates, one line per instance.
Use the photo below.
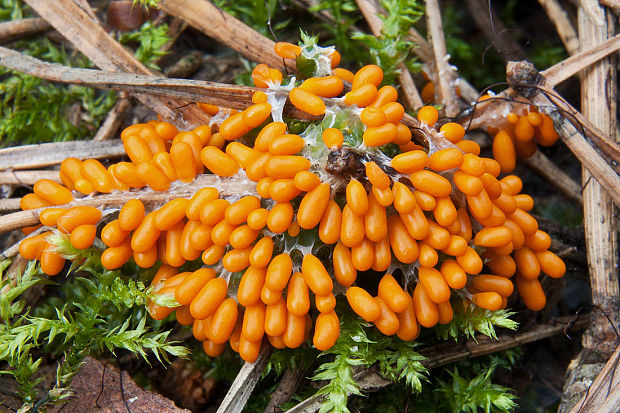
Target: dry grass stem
(445, 76)
(558, 16)
(549, 170)
(371, 10)
(92, 40)
(9, 205)
(604, 393)
(17, 29)
(566, 68)
(598, 102)
(244, 383)
(112, 122)
(226, 187)
(27, 178)
(227, 30)
(46, 154)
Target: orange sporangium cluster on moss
(439, 227)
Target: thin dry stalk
(226, 29)
(371, 11)
(113, 120)
(441, 355)
(289, 383)
(46, 154)
(27, 178)
(445, 76)
(548, 170)
(598, 102)
(90, 38)
(614, 5)
(593, 12)
(220, 94)
(244, 383)
(229, 186)
(568, 67)
(589, 157)
(236, 97)
(17, 29)
(9, 205)
(603, 395)
(603, 141)
(558, 16)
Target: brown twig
(371, 11)
(9, 205)
(589, 157)
(46, 154)
(228, 186)
(16, 29)
(598, 102)
(593, 12)
(236, 97)
(226, 29)
(568, 67)
(447, 353)
(113, 120)
(548, 170)
(558, 16)
(289, 383)
(244, 383)
(603, 395)
(91, 39)
(569, 120)
(27, 177)
(445, 76)
(614, 5)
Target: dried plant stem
(90, 38)
(9, 205)
(27, 177)
(445, 76)
(568, 67)
(569, 120)
(16, 29)
(113, 120)
(371, 10)
(548, 170)
(226, 29)
(558, 16)
(447, 353)
(244, 383)
(46, 154)
(226, 187)
(593, 12)
(289, 383)
(604, 394)
(232, 96)
(236, 97)
(614, 5)
(598, 100)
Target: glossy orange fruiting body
(414, 209)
